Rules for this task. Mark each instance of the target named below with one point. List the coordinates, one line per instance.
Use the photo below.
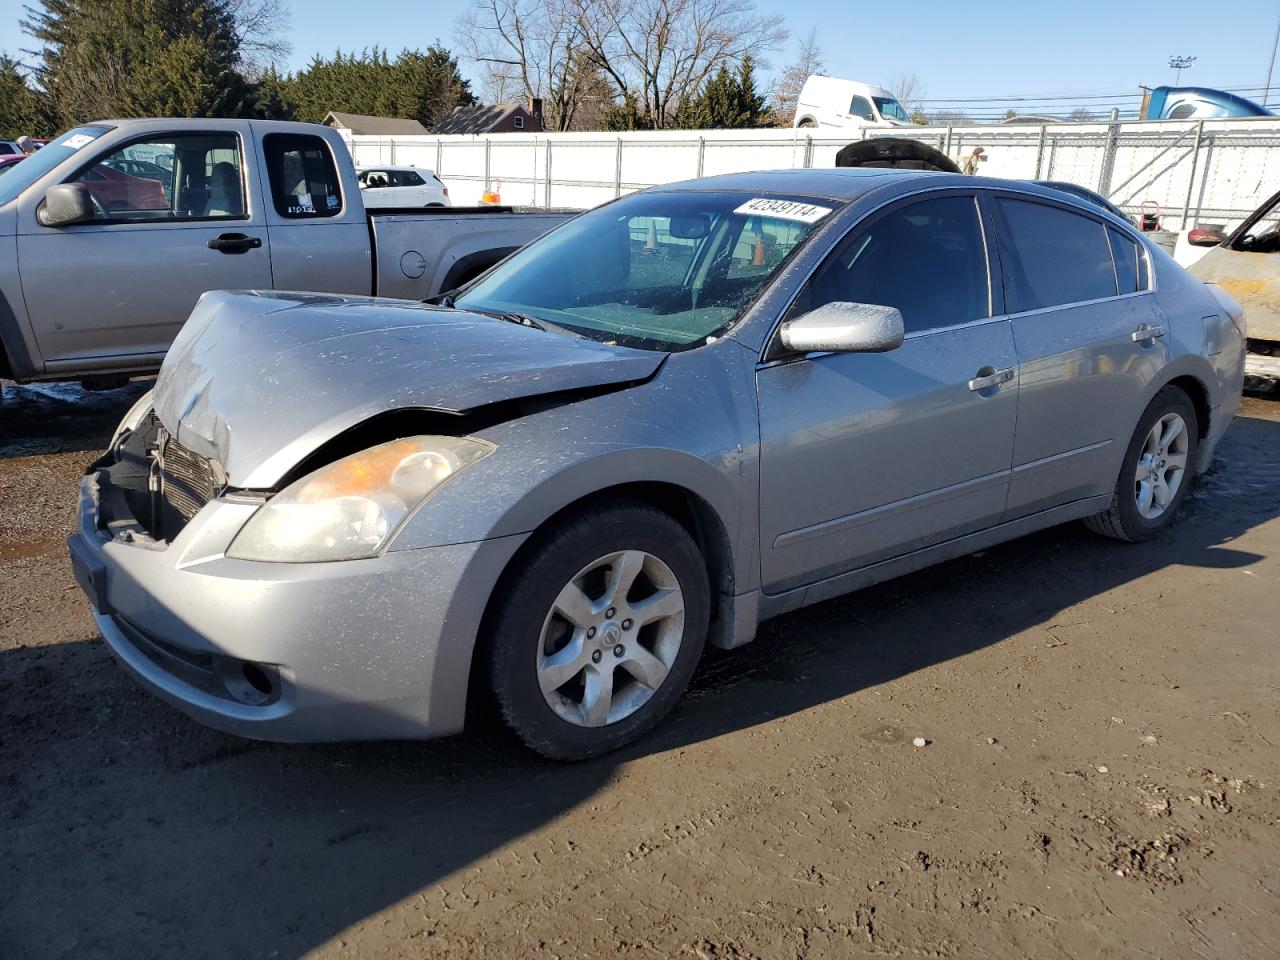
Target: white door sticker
(78, 141)
(783, 210)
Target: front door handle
(234, 243)
(989, 377)
(1146, 333)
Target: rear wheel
(597, 635)
(1156, 471)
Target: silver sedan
(678, 415)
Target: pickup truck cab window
(927, 258)
(304, 178)
(191, 177)
(42, 161)
(1054, 257)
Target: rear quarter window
(1053, 257)
(304, 178)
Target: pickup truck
(110, 234)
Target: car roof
(389, 166)
(835, 183)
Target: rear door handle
(234, 243)
(1145, 333)
(989, 376)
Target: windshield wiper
(521, 319)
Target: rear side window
(406, 178)
(1057, 257)
(304, 179)
(927, 259)
(1131, 274)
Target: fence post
(1204, 176)
(1109, 158)
(617, 172)
(702, 153)
(1040, 153)
(1191, 179)
(439, 158)
(946, 144)
(547, 202)
(487, 145)
(808, 151)
(393, 151)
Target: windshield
(42, 161)
(659, 271)
(891, 109)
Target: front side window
(659, 271)
(189, 177)
(861, 107)
(1053, 257)
(304, 178)
(927, 259)
(22, 175)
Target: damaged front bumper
(351, 650)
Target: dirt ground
(1100, 779)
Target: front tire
(597, 634)
(1156, 471)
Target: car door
(865, 457)
(1089, 338)
(1247, 266)
(123, 283)
(377, 191)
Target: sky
(956, 48)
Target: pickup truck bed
(111, 233)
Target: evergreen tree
(21, 108)
(102, 58)
(727, 102)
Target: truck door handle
(989, 376)
(1145, 333)
(234, 243)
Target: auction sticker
(78, 141)
(783, 210)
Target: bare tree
(261, 29)
(907, 90)
(661, 51)
(531, 47)
(787, 93)
(1081, 115)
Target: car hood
(258, 381)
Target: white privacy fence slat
(1214, 171)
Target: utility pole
(1178, 64)
(1272, 63)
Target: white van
(832, 102)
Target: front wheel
(1156, 471)
(596, 636)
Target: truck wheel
(1156, 471)
(597, 635)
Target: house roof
(477, 118)
(378, 126)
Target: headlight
(350, 508)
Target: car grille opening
(183, 482)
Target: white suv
(403, 186)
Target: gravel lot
(1100, 778)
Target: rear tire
(1156, 472)
(597, 634)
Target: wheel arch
(687, 507)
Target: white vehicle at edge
(401, 186)
(832, 102)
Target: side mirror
(1205, 237)
(66, 204)
(845, 328)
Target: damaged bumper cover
(350, 650)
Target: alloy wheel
(1162, 465)
(610, 638)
